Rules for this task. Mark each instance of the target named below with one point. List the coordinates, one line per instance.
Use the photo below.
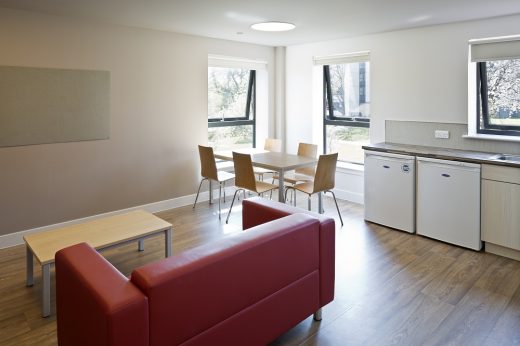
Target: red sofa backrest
(195, 290)
(256, 211)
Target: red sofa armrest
(96, 304)
(257, 211)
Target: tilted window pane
(503, 83)
(347, 142)
(350, 88)
(230, 137)
(227, 92)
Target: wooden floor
(391, 287)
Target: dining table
(279, 162)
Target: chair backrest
(325, 173)
(208, 167)
(244, 174)
(307, 150)
(272, 144)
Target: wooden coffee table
(101, 234)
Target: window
(231, 107)
(498, 95)
(346, 109)
(494, 87)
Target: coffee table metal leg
(141, 245)
(168, 242)
(29, 267)
(46, 290)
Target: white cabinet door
(501, 213)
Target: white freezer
(448, 201)
(390, 190)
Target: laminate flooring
(392, 288)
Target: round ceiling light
(273, 26)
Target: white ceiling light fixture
(273, 26)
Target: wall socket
(442, 134)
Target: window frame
(250, 111)
(331, 119)
(483, 107)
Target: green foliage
(227, 92)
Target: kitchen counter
(442, 153)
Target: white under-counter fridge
(390, 190)
(448, 201)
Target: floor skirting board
(13, 239)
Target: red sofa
(245, 289)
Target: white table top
(270, 160)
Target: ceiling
(316, 20)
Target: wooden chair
(324, 180)
(208, 170)
(270, 144)
(245, 178)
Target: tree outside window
(499, 97)
(231, 108)
(346, 109)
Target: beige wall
(158, 116)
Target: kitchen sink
(511, 158)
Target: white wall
(417, 74)
(158, 116)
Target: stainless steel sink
(510, 158)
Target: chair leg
(337, 208)
(197, 197)
(294, 197)
(286, 190)
(233, 201)
(219, 197)
(224, 186)
(271, 193)
(309, 203)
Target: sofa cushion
(195, 290)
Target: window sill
(352, 168)
(493, 137)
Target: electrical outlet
(442, 134)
